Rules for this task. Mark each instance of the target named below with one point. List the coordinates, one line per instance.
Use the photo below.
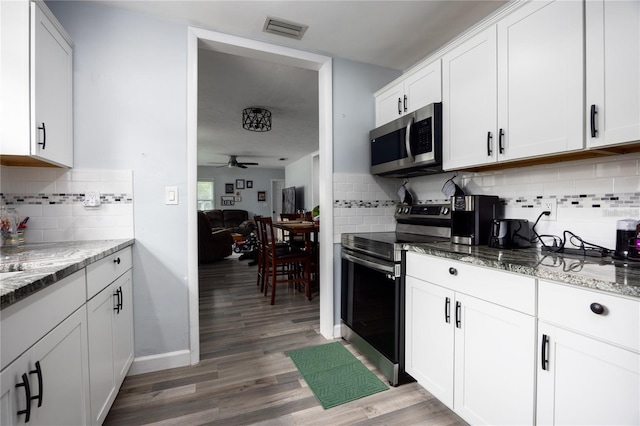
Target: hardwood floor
(245, 376)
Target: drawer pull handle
(38, 372)
(453, 271)
(544, 356)
(116, 261)
(447, 310)
(458, 315)
(597, 308)
(27, 393)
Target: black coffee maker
(627, 240)
(471, 218)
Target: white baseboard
(151, 363)
(337, 331)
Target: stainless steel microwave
(410, 145)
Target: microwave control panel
(423, 143)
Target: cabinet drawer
(26, 322)
(510, 290)
(105, 271)
(570, 307)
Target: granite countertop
(32, 267)
(589, 272)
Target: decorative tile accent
(18, 199)
(631, 199)
(363, 204)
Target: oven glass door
(371, 304)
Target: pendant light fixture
(256, 119)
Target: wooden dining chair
(283, 265)
(261, 250)
(263, 242)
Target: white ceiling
(394, 34)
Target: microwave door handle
(407, 139)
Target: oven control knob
(445, 211)
(399, 210)
(406, 210)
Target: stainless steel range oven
(372, 287)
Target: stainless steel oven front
(372, 310)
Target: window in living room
(205, 195)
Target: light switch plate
(171, 195)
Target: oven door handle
(382, 267)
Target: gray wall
(130, 75)
(261, 182)
(354, 112)
(130, 88)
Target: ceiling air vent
(284, 28)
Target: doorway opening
(249, 48)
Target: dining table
(310, 231)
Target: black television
(292, 199)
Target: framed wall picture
(227, 200)
(239, 183)
(262, 195)
(238, 198)
(228, 188)
(249, 184)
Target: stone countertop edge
(35, 278)
(588, 273)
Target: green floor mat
(334, 375)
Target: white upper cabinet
(390, 104)
(37, 86)
(613, 72)
(515, 90)
(541, 80)
(469, 102)
(419, 89)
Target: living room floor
(245, 375)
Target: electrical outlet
(91, 199)
(550, 205)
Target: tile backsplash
(591, 196)
(53, 200)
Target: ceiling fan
(233, 162)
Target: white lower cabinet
(589, 359)
(476, 356)
(429, 337)
(494, 364)
(585, 381)
(110, 320)
(63, 357)
(54, 374)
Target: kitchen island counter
(27, 269)
(594, 273)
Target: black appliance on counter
(372, 287)
(510, 234)
(410, 145)
(471, 217)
